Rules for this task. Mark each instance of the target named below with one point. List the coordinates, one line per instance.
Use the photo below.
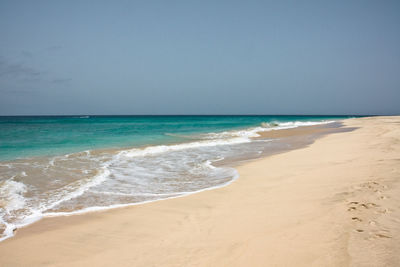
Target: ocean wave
(153, 150)
(12, 195)
(293, 124)
(264, 126)
(72, 191)
(138, 174)
(221, 138)
(103, 208)
(13, 200)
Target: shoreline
(184, 140)
(293, 139)
(218, 224)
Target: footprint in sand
(364, 205)
(375, 186)
(356, 219)
(382, 211)
(369, 205)
(353, 203)
(382, 235)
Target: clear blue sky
(199, 57)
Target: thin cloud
(17, 70)
(18, 92)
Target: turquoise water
(22, 137)
(52, 166)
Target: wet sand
(332, 203)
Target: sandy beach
(332, 203)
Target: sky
(199, 57)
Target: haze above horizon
(187, 58)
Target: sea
(64, 165)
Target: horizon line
(176, 115)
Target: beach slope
(333, 203)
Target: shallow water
(174, 156)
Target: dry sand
(334, 203)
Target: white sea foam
(131, 174)
(135, 195)
(221, 138)
(11, 227)
(12, 198)
(82, 188)
(12, 195)
(253, 132)
(152, 150)
(293, 124)
(208, 164)
(12, 191)
(103, 208)
(7, 165)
